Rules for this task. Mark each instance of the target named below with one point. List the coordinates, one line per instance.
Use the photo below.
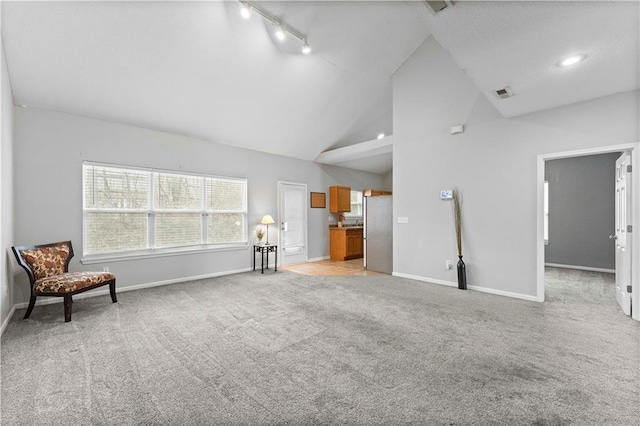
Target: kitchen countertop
(332, 227)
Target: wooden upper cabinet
(375, 192)
(339, 199)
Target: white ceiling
(519, 43)
(199, 69)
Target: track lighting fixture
(282, 29)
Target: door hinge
(629, 228)
(629, 168)
(628, 289)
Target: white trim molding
(318, 259)
(6, 321)
(470, 287)
(580, 268)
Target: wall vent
(504, 93)
(435, 6)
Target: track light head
(306, 49)
(245, 11)
(280, 33)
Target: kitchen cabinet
(375, 192)
(346, 243)
(339, 199)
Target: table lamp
(267, 220)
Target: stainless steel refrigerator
(378, 234)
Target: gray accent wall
(51, 146)
(493, 163)
(582, 211)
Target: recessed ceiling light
(572, 60)
(381, 135)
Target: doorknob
(613, 237)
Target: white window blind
(356, 205)
(142, 210)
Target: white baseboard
(425, 279)
(49, 300)
(580, 268)
(505, 293)
(6, 321)
(469, 287)
(317, 259)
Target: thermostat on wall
(446, 195)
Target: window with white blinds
(134, 210)
(356, 205)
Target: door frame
(632, 148)
(306, 221)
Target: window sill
(89, 260)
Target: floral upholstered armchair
(47, 266)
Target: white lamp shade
(267, 220)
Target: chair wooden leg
(67, 308)
(112, 290)
(32, 303)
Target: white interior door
(293, 222)
(622, 239)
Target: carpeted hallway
(292, 349)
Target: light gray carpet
(291, 349)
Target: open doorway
(587, 257)
(580, 254)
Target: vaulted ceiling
(199, 69)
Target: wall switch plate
(403, 219)
(448, 265)
(105, 269)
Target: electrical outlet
(105, 269)
(448, 265)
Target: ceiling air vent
(504, 93)
(435, 6)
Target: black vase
(462, 274)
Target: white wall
(493, 164)
(387, 184)
(51, 146)
(6, 196)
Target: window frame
(546, 212)
(349, 215)
(151, 213)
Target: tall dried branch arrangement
(457, 218)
